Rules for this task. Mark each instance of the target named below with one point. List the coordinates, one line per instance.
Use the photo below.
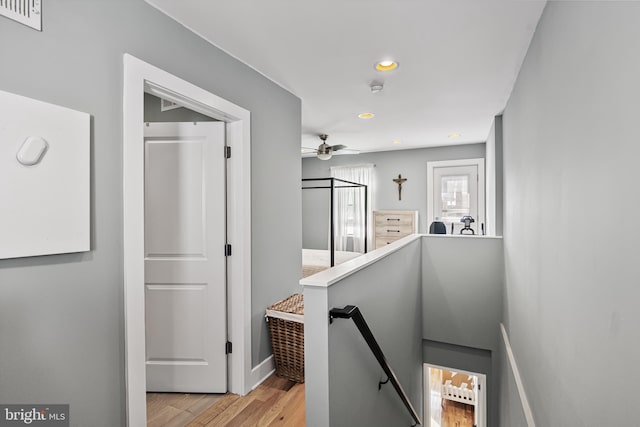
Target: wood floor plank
(293, 410)
(276, 410)
(205, 402)
(154, 405)
(225, 418)
(457, 414)
(182, 401)
(244, 417)
(163, 416)
(277, 402)
(253, 413)
(175, 409)
(282, 383)
(265, 393)
(180, 420)
(214, 411)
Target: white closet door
(185, 289)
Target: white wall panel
(44, 178)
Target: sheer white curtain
(349, 211)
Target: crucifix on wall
(399, 180)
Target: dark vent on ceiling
(27, 12)
(166, 105)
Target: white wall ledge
(458, 236)
(333, 275)
(330, 276)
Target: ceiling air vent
(166, 105)
(26, 12)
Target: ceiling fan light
(324, 156)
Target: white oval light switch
(32, 151)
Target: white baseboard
(528, 414)
(262, 372)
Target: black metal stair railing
(353, 312)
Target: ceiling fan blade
(338, 147)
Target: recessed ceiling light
(396, 141)
(386, 65)
(366, 115)
(453, 135)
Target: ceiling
(458, 61)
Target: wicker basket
(286, 325)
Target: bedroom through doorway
(453, 398)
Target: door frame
(141, 77)
(479, 162)
(480, 407)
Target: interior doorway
(454, 398)
(141, 78)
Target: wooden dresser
(390, 226)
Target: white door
(455, 190)
(185, 278)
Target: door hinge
(479, 387)
(227, 250)
(228, 347)
(227, 152)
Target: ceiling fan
(324, 150)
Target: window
(455, 198)
(350, 214)
(455, 188)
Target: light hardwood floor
(275, 402)
(177, 409)
(455, 414)
(446, 413)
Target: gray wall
(61, 316)
(412, 164)
(511, 411)
(499, 174)
(343, 383)
(457, 357)
(462, 283)
(493, 178)
(462, 306)
(571, 170)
